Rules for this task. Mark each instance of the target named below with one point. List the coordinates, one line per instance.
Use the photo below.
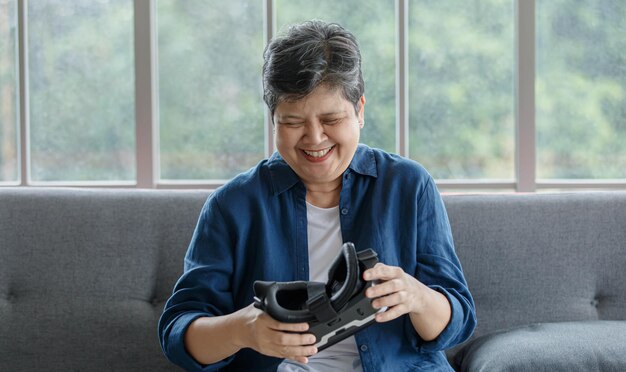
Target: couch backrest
(84, 275)
(542, 257)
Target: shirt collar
(364, 162)
(283, 177)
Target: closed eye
(292, 124)
(330, 121)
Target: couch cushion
(84, 275)
(567, 346)
(542, 258)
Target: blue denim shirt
(255, 228)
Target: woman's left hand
(429, 310)
(398, 291)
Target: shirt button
(344, 211)
(363, 348)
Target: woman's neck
(324, 196)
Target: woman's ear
(361, 111)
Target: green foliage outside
(81, 83)
(210, 93)
(211, 113)
(461, 88)
(581, 89)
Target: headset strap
(319, 303)
(368, 257)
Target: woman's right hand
(273, 338)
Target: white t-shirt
(325, 241)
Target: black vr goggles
(334, 310)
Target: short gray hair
(308, 55)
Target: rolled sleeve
(204, 289)
(456, 330)
(451, 283)
(439, 268)
(174, 346)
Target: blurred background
(212, 124)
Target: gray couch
(84, 275)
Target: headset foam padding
(343, 276)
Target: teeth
(318, 154)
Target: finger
(293, 339)
(276, 325)
(296, 352)
(385, 288)
(391, 313)
(303, 360)
(383, 272)
(390, 300)
(288, 345)
(289, 327)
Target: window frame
(147, 108)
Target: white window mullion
(525, 95)
(402, 77)
(146, 94)
(269, 30)
(24, 133)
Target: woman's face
(318, 135)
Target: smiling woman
(317, 136)
(313, 87)
(283, 219)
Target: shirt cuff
(449, 337)
(176, 351)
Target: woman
(286, 219)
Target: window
(461, 110)
(581, 90)
(210, 95)
(81, 90)
(486, 94)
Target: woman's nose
(315, 132)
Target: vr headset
(333, 310)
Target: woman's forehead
(322, 101)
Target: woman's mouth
(318, 155)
